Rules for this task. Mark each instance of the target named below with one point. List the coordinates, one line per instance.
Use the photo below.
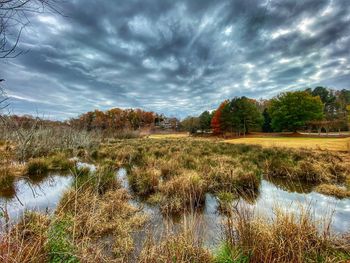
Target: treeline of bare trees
(34, 137)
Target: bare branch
(14, 18)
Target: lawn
(168, 136)
(331, 144)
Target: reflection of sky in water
(43, 196)
(321, 205)
(270, 197)
(46, 195)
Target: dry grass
(333, 190)
(26, 242)
(183, 245)
(285, 238)
(176, 174)
(183, 192)
(327, 144)
(93, 222)
(168, 136)
(223, 167)
(102, 218)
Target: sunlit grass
(168, 136)
(330, 144)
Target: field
(311, 143)
(168, 136)
(326, 144)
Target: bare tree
(14, 17)
(3, 97)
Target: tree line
(311, 109)
(114, 119)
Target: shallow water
(291, 198)
(43, 194)
(272, 196)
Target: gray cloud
(176, 57)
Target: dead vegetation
(287, 237)
(96, 222)
(333, 190)
(181, 245)
(168, 171)
(93, 222)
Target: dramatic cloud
(176, 57)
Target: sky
(175, 57)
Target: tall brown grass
(176, 245)
(287, 237)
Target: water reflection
(42, 193)
(38, 194)
(292, 186)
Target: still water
(43, 194)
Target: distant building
(167, 123)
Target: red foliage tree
(215, 121)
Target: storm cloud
(176, 57)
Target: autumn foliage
(216, 120)
(114, 119)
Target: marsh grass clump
(103, 179)
(26, 241)
(312, 167)
(60, 162)
(230, 177)
(37, 166)
(224, 167)
(183, 246)
(226, 254)
(169, 168)
(183, 192)
(144, 181)
(97, 217)
(102, 218)
(333, 190)
(6, 178)
(42, 166)
(287, 237)
(225, 201)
